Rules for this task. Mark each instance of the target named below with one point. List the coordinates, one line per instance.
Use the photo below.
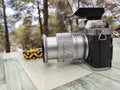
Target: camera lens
(65, 47)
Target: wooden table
(16, 73)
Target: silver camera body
(94, 45)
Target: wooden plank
(16, 78)
(106, 80)
(2, 72)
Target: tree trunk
(7, 43)
(45, 13)
(77, 23)
(40, 21)
(70, 6)
(61, 24)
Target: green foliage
(56, 20)
(65, 6)
(27, 35)
(109, 19)
(53, 23)
(28, 1)
(14, 50)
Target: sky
(9, 12)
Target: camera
(93, 45)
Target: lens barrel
(65, 47)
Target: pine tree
(7, 42)
(45, 14)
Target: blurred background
(22, 22)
